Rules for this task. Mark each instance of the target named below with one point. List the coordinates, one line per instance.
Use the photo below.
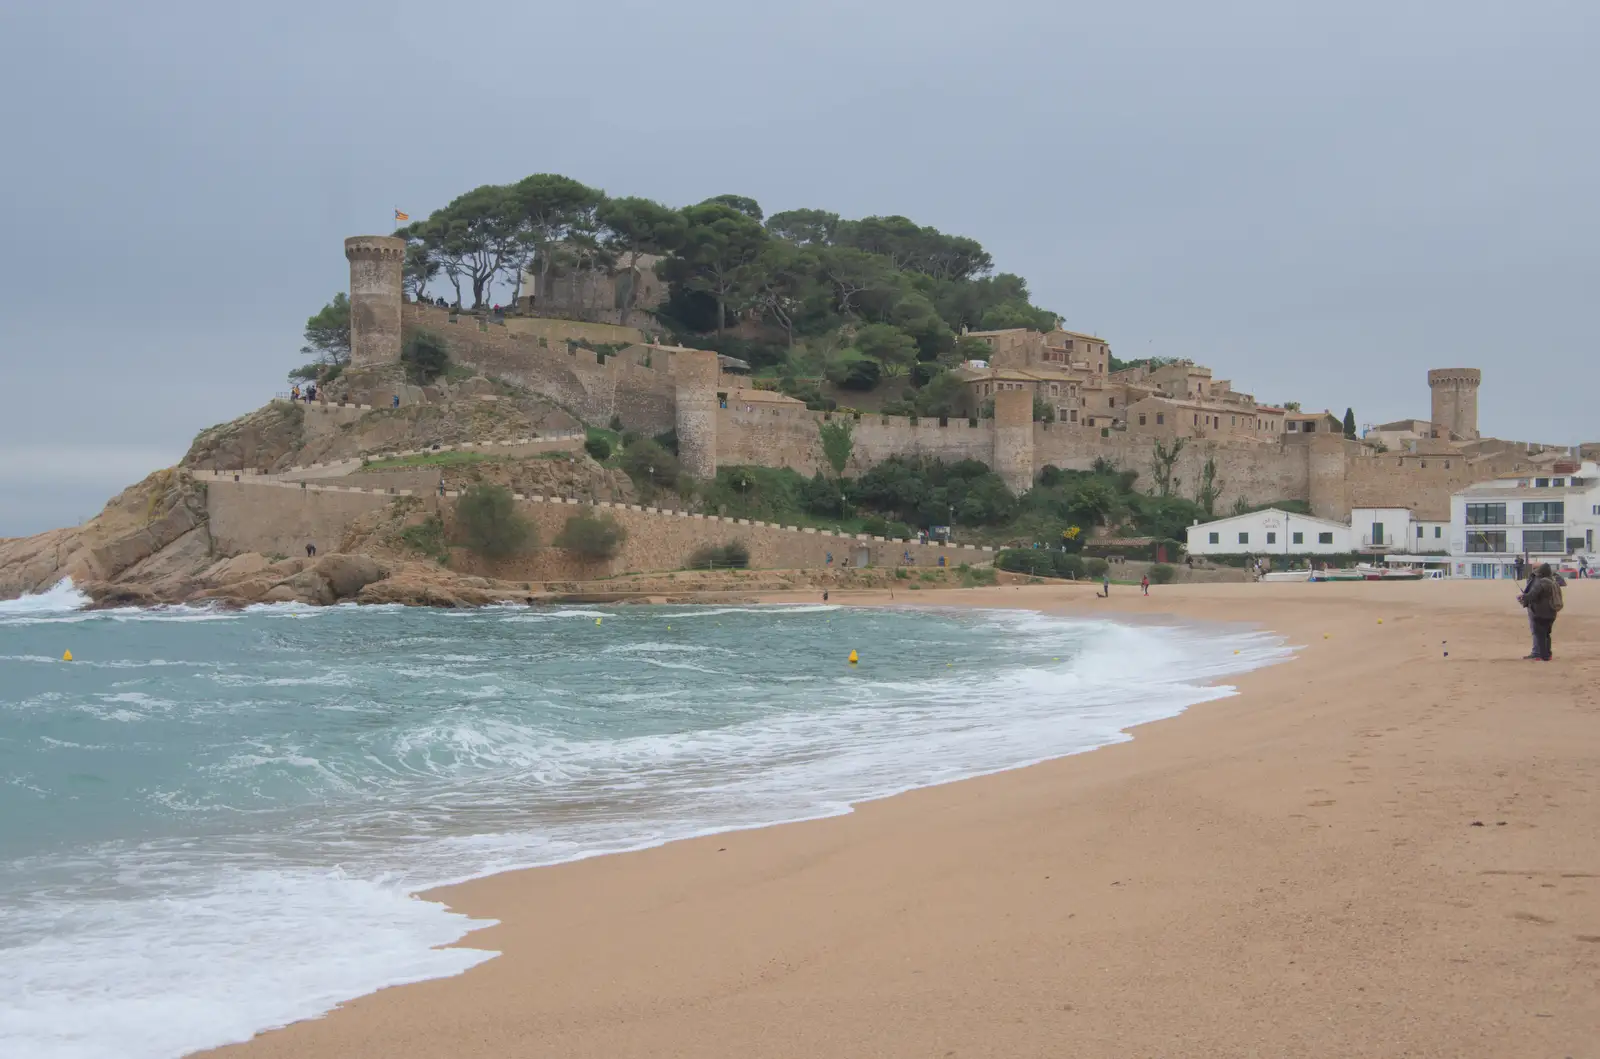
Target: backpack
(1556, 602)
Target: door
(1377, 534)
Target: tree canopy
(874, 297)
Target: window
(1309, 428)
(1113, 402)
(1197, 419)
(1244, 538)
(1544, 513)
(1483, 514)
(1547, 541)
(1419, 533)
(1074, 416)
(1291, 427)
(1558, 481)
(1298, 537)
(1272, 538)
(1141, 419)
(1325, 538)
(1541, 483)
(1438, 531)
(1161, 417)
(1233, 421)
(1486, 540)
(1216, 538)
(1055, 389)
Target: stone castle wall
(642, 395)
(281, 518)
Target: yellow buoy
(66, 656)
(597, 621)
(1325, 635)
(1380, 621)
(854, 658)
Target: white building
(1546, 516)
(1270, 532)
(1397, 530)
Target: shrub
(1026, 561)
(592, 536)
(1095, 567)
(718, 556)
(901, 573)
(650, 465)
(426, 537)
(425, 357)
(598, 447)
(1161, 574)
(1068, 564)
(974, 578)
(487, 518)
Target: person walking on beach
(1543, 600)
(1144, 584)
(1105, 586)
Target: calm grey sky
(1319, 200)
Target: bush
(1095, 567)
(1069, 564)
(720, 556)
(489, 524)
(598, 447)
(425, 357)
(851, 370)
(1161, 574)
(592, 536)
(650, 465)
(427, 537)
(1034, 561)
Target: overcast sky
(1321, 201)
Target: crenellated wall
(273, 517)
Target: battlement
(375, 247)
(1456, 376)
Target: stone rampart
(785, 436)
(637, 386)
(272, 517)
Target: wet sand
(1372, 850)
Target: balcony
(1380, 542)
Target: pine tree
(1350, 423)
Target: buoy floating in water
(66, 656)
(597, 621)
(854, 658)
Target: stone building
(579, 291)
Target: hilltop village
(591, 429)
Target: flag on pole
(399, 216)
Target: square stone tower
(1455, 400)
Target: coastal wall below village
(279, 518)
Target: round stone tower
(375, 297)
(696, 372)
(1013, 438)
(1455, 400)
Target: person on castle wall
(395, 401)
(294, 393)
(311, 550)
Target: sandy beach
(1372, 850)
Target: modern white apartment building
(1551, 516)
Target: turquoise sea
(212, 822)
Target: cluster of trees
(487, 522)
(857, 299)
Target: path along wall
(642, 395)
(282, 517)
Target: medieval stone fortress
(1039, 399)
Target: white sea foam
(174, 974)
(62, 596)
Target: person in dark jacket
(1540, 599)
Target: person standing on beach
(1543, 600)
(1105, 586)
(1144, 584)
